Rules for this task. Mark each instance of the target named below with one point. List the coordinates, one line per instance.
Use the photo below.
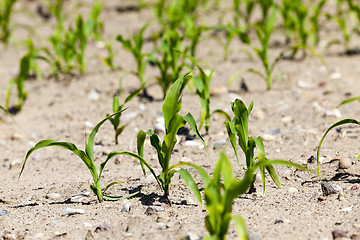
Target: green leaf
(188, 179)
(112, 198)
(240, 226)
(204, 176)
(111, 184)
(349, 101)
(341, 122)
(221, 112)
(191, 121)
(89, 144)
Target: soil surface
(291, 118)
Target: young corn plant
(193, 33)
(339, 123)
(169, 64)
(118, 109)
(93, 25)
(173, 122)
(223, 189)
(27, 64)
(69, 48)
(238, 127)
(202, 85)
(135, 47)
(6, 9)
(87, 158)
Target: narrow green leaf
(191, 121)
(188, 179)
(112, 198)
(204, 176)
(240, 226)
(349, 101)
(221, 112)
(111, 184)
(341, 122)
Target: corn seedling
(27, 64)
(202, 85)
(173, 121)
(109, 60)
(339, 123)
(93, 26)
(169, 65)
(265, 6)
(223, 189)
(117, 109)
(238, 126)
(87, 157)
(245, 14)
(6, 8)
(134, 46)
(193, 33)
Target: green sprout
(173, 121)
(118, 109)
(202, 84)
(223, 189)
(135, 47)
(169, 65)
(109, 60)
(238, 126)
(245, 14)
(339, 123)
(87, 157)
(6, 9)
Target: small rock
(321, 198)
(152, 209)
(103, 227)
(219, 144)
(191, 236)
(16, 136)
(341, 196)
(100, 44)
(218, 90)
(129, 115)
(339, 234)
(354, 188)
(88, 225)
(335, 75)
(60, 234)
(126, 207)
(89, 236)
(304, 84)
(268, 137)
(258, 114)
(150, 178)
(88, 124)
(287, 120)
(93, 95)
(333, 113)
(190, 201)
(71, 211)
(278, 221)
(186, 160)
(328, 188)
(345, 163)
(193, 143)
(355, 236)
(292, 190)
(347, 209)
(53, 196)
(258, 178)
(254, 236)
(57, 223)
(16, 162)
(142, 107)
(80, 197)
(159, 125)
(4, 212)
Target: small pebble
(80, 197)
(345, 163)
(71, 211)
(341, 196)
(88, 225)
(93, 95)
(258, 114)
(258, 178)
(278, 221)
(287, 120)
(126, 207)
(4, 212)
(268, 137)
(335, 75)
(220, 144)
(347, 209)
(192, 143)
(129, 115)
(304, 84)
(150, 178)
(339, 233)
(191, 236)
(321, 198)
(16, 162)
(354, 188)
(254, 236)
(292, 190)
(88, 124)
(328, 188)
(152, 209)
(142, 107)
(218, 90)
(53, 196)
(103, 227)
(159, 127)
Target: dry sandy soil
(292, 117)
